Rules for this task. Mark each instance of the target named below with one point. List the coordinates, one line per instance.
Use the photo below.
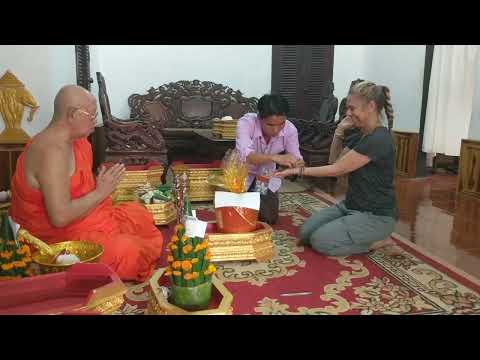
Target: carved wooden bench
(163, 121)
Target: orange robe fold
(132, 244)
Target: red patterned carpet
(399, 279)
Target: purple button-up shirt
(250, 140)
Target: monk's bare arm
(54, 180)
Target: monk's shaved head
(71, 96)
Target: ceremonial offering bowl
(87, 252)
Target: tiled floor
(433, 218)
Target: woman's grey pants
(338, 231)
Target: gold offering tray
(135, 178)
(44, 257)
(220, 304)
(256, 245)
(225, 129)
(199, 188)
(163, 213)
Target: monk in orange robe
(56, 197)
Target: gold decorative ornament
(199, 189)
(163, 214)
(256, 245)
(133, 179)
(14, 97)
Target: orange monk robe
(132, 244)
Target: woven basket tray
(256, 245)
(135, 178)
(199, 188)
(225, 129)
(163, 214)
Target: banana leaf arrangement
(15, 257)
(189, 259)
(149, 194)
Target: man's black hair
(272, 104)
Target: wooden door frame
(422, 156)
(304, 53)
(82, 61)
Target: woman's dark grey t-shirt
(371, 188)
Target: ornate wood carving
(132, 142)
(193, 104)
(469, 172)
(82, 59)
(406, 151)
(316, 134)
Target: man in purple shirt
(265, 140)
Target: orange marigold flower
(184, 238)
(208, 257)
(202, 245)
(19, 264)
(187, 248)
(173, 247)
(198, 248)
(176, 273)
(195, 275)
(186, 265)
(211, 269)
(177, 265)
(7, 266)
(168, 273)
(170, 258)
(194, 260)
(174, 238)
(178, 227)
(6, 254)
(188, 277)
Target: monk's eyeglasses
(93, 117)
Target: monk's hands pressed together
(107, 180)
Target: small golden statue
(13, 99)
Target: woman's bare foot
(382, 243)
(299, 242)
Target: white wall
(132, 69)
(43, 69)
(474, 131)
(349, 63)
(400, 67)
